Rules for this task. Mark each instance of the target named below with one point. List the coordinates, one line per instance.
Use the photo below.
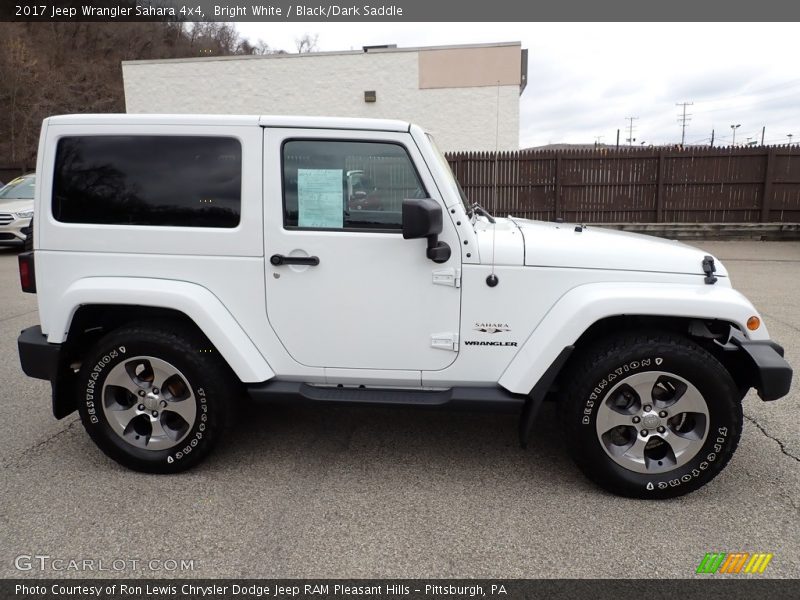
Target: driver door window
(347, 185)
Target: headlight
(24, 214)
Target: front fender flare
(195, 301)
(584, 305)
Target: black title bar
(400, 10)
(709, 586)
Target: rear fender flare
(195, 301)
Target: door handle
(279, 259)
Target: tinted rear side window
(188, 181)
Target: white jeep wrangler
(181, 261)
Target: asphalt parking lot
(301, 492)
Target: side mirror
(422, 218)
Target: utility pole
(790, 136)
(617, 139)
(631, 139)
(763, 129)
(712, 138)
(683, 119)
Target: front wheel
(651, 415)
(154, 399)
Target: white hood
(560, 245)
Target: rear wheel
(154, 400)
(651, 415)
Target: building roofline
(317, 54)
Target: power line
(683, 119)
(699, 140)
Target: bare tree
(307, 43)
(58, 68)
(260, 48)
(263, 48)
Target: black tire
(213, 389)
(603, 369)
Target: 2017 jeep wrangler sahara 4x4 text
(181, 261)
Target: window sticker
(320, 198)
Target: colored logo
(735, 562)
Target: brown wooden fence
(650, 185)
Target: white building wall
(326, 85)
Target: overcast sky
(585, 78)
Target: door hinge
(445, 341)
(450, 276)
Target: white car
(184, 260)
(16, 209)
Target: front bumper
(771, 375)
(15, 232)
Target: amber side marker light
(753, 323)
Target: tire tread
(585, 367)
(184, 340)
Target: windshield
(20, 188)
(450, 178)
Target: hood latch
(709, 269)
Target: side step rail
(463, 398)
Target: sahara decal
(492, 327)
